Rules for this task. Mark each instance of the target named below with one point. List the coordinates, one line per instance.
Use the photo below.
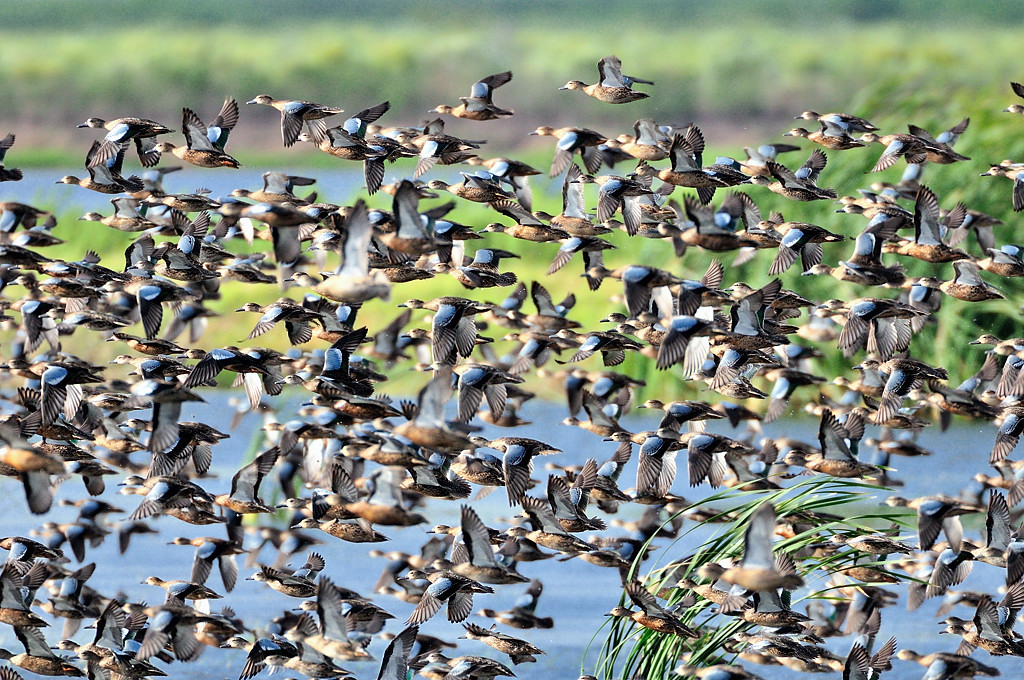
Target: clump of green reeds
(820, 506)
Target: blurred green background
(740, 70)
(734, 66)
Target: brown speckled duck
(613, 87)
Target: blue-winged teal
(910, 147)
(759, 570)
(482, 272)
(574, 218)
(105, 178)
(968, 286)
(800, 185)
(295, 317)
(621, 193)
(1018, 90)
(437, 147)
(656, 468)
(410, 236)
(359, 531)
(800, 238)
(178, 591)
(204, 146)
(829, 136)
(1007, 260)
(462, 667)
(1014, 172)
(757, 159)
(771, 611)
(718, 671)
(687, 152)
(251, 360)
(861, 663)
(479, 381)
(394, 664)
(294, 113)
(120, 131)
(277, 188)
(480, 563)
(245, 485)
(902, 373)
(517, 461)
(571, 140)
(353, 282)
(865, 265)
(648, 141)
(446, 587)
(715, 229)
(786, 380)
(940, 149)
(427, 426)
(38, 657)
(209, 551)
(592, 249)
(480, 188)
(8, 174)
(570, 504)
(612, 346)
(1010, 430)
(652, 615)
(514, 173)
(678, 413)
(453, 331)
(167, 398)
(988, 631)
(331, 638)
(126, 216)
(309, 661)
(928, 244)
(478, 105)
(837, 457)
(383, 507)
(947, 664)
(875, 323)
(348, 142)
(14, 610)
(845, 121)
(613, 87)
(518, 650)
(352, 130)
(547, 531)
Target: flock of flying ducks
(351, 462)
